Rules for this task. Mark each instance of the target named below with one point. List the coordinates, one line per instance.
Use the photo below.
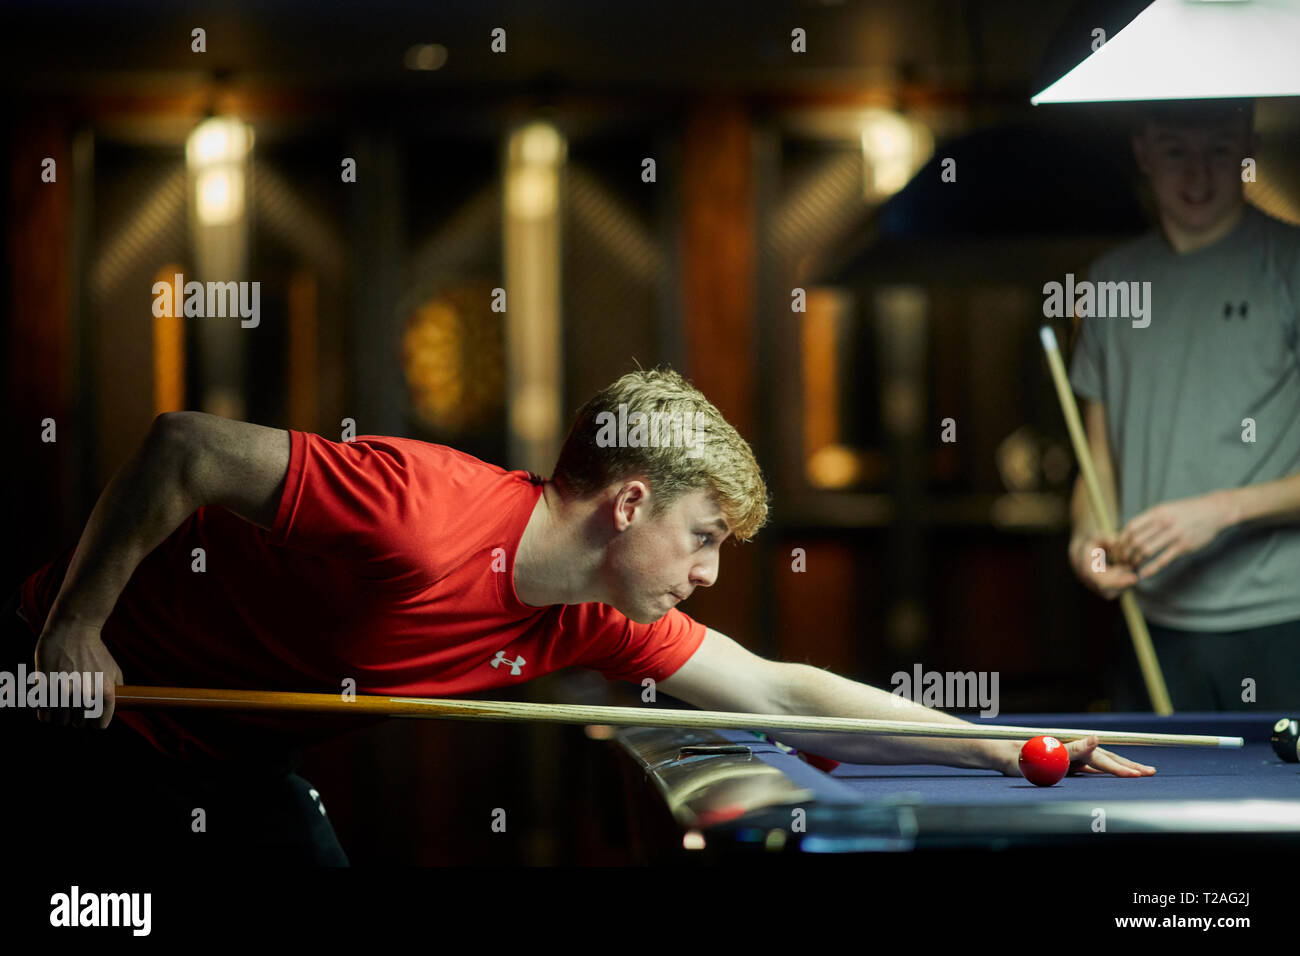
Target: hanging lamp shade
(1191, 50)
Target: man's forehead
(700, 505)
(1225, 129)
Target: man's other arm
(188, 460)
(723, 675)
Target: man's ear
(631, 497)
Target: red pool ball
(1044, 761)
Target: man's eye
(704, 537)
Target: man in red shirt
(226, 554)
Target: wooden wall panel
(718, 266)
(40, 345)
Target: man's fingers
(1119, 766)
(1141, 523)
(1140, 537)
(1109, 765)
(71, 704)
(1153, 550)
(1120, 577)
(110, 705)
(1150, 542)
(1166, 556)
(1079, 750)
(1131, 764)
(1109, 762)
(1114, 563)
(1137, 534)
(1111, 582)
(1115, 548)
(1123, 546)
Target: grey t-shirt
(1220, 347)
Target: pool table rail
(727, 789)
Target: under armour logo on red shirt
(515, 665)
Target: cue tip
(1049, 338)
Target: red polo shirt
(390, 563)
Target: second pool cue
(1137, 626)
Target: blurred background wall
(649, 184)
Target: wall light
(535, 156)
(216, 152)
(893, 149)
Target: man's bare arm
(723, 675)
(1269, 502)
(1165, 532)
(188, 460)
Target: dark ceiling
(995, 48)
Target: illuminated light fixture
(426, 56)
(533, 186)
(215, 153)
(217, 159)
(534, 162)
(1191, 50)
(893, 149)
(541, 144)
(220, 196)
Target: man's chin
(1203, 218)
(1200, 220)
(642, 615)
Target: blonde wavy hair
(707, 454)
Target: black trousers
(1210, 670)
(106, 797)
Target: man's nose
(704, 575)
(1200, 170)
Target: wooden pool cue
(1137, 627)
(195, 698)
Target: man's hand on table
(1085, 757)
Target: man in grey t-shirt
(1193, 416)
